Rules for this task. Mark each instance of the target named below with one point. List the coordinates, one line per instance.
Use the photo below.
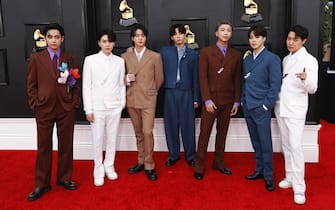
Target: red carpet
(175, 188)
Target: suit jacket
(142, 93)
(261, 80)
(220, 76)
(189, 74)
(42, 87)
(293, 97)
(103, 82)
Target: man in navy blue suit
(260, 88)
(181, 84)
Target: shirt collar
(106, 57)
(183, 49)
(296, 54)
(255, 55)
(222, 49)
(140, 53)
(52, 53)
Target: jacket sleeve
(122, 84)
(87, 87)
(275, 79)
(159, 78)
(76, 88)
(238, 79)
(196, 86)
(311, 81)
(32, 82)
(203, 76)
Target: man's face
(139, 39)
(256, 42)
(224, 33)
(178, 38)
(54, 39)
(105, 45)
(294, 43)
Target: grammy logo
(127, 17)
(190, 38)
(251, 14)
(40, 42)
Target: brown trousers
(65, 125)
(143, 123)
(222, 114)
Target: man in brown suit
(220, 87)
(144, 78)
(53, 100)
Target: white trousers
(291, 131)
(105, 126)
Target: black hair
(53, 26)
(178, 26)
(138, 27)
(300, 31)
(110, 34)
(222, 22)
(257, 30)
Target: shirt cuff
(207, 102)
(237, 104)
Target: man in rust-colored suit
(144, 77)
(220, 87)
(54, 100)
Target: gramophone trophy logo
(127, 17)
(40, 42)
(251, 14)
(190, 38)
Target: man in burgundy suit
(54, 100)
(220, 87)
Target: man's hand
(211, 108)
(90, 118)
(234, 110)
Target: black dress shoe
(255, 175)
(198, 176)
(191, 163)
(68, 185)
(37, 193)
(226, 171)
(135, 169)
(171, 162)
(151, 174)
(269, 185)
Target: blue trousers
(259, 125)
(179, 117)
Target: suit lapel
(217, 53)
(259, 59)
(47, 64)
(145, 58)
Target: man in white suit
(104, 95)
(300, 76)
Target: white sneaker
(99, 182)
(299, 198)
(111, 174)
(284, 184)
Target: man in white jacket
(300, 77)
(104, 98)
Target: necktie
(54, 62)
(180, 55)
